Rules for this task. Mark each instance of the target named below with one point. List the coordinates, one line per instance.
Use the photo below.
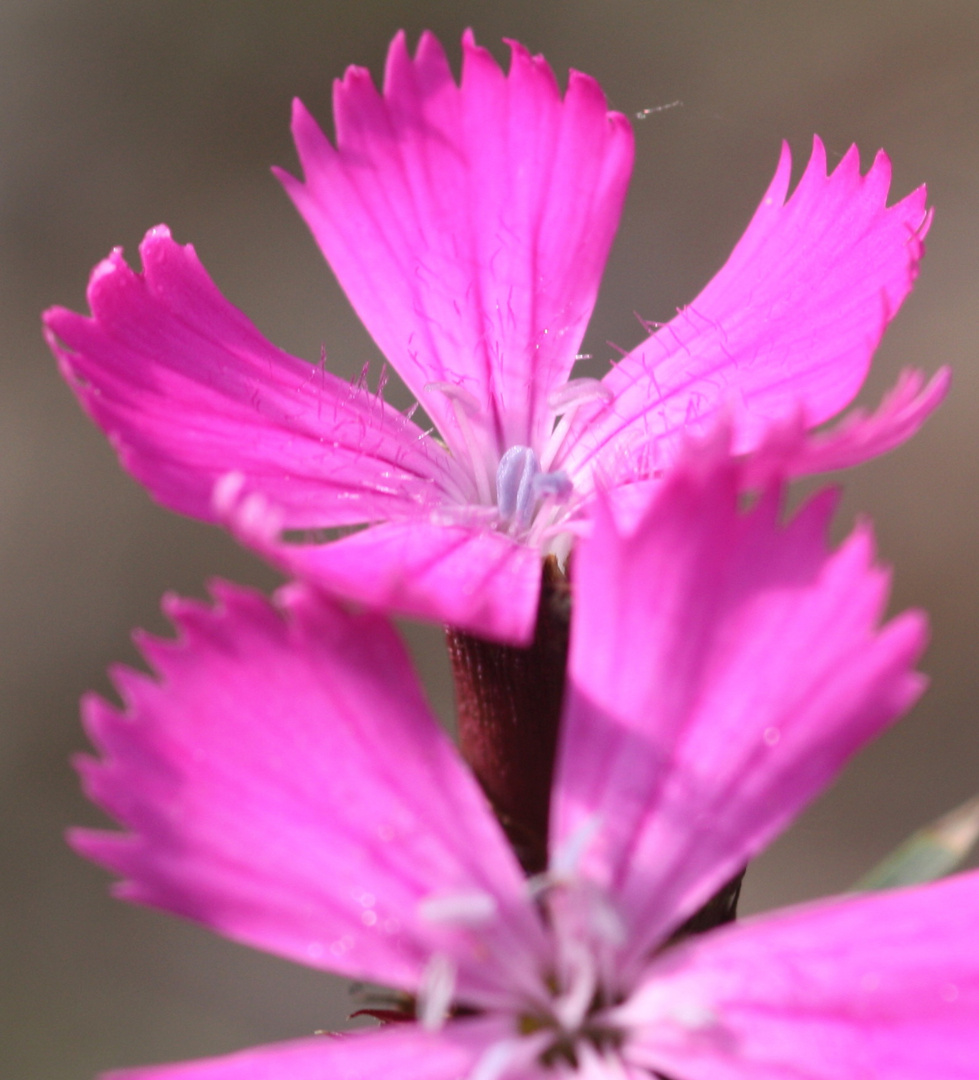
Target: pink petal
(790, 322)
(399, 1052)
(189, 391)
(282, 781)
(467, 577)
(469, 225)
(722, 669)
(789, 450)
(884, 987)
(858, 437)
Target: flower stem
(509, 705)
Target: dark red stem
(509, 705)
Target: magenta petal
(722, 669)
(790, 322)
(469, 578)
(885, 986)
(858, 436)
(189, 391)
(282, 781)
(469, 225)
(401, 1052)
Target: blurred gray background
(117, 116)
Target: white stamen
(454, 393)
(464, 407)
(435, 993)
(568, 855)
(543, 519)
(605, 922)
(576, 392)
(465, 909)
(581, 979)
(495, 1062)
(509, 1055)
(565, 401)
(557, 523)
(593, 1065)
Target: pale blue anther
(515, 495)
(520, 485)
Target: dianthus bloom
(469, 225)
(283, 781)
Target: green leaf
(929, 853)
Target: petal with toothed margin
(468, 224)
(856, 438)
(189, 392)
(789, 322)
(282, 781)
(789, 450)
(722, 669)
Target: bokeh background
(116, 116)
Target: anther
(520, 486)
(515, 493)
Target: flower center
(584, 984)
(566, 1015)
(531, 503)
(522, 489)
(563, 1046)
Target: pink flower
(283, 781)
(469, 225)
